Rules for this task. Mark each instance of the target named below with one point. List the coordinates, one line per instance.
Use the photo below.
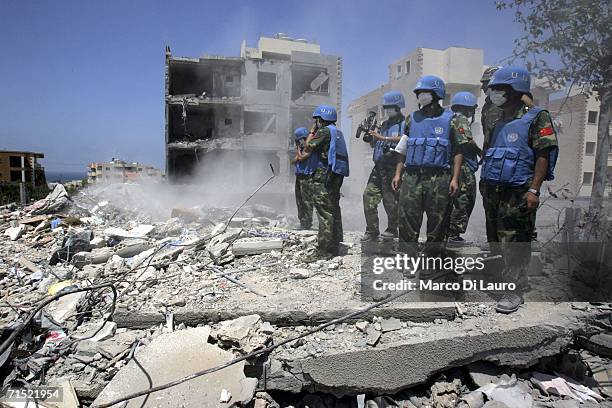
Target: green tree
(570, 42)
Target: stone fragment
(266, 328)
(483, 373)
(15, 232)
(107, 331)
(299, 273)
(362, 326)
(372, 337)
(390, 324)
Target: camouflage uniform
(304, 200)
(379, 188)
(426, 190)
(325, 188)
(463, 202)
(489, 116)
(509, 222)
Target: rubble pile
(140, 301)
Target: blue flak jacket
(308, 166)
(429, 142)
(511, 160)
(337, 158)
(393, 130)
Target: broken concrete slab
(241, 248)
(373, 336)
(130, 249)
(427, 312)
(229, 235)
(107, 331)
(238, 331)
(26, 263)
(394, 367)
(33, 220)
(174, 355)
(390, 324)
(116, 345)
(600, 344)
(405, 360)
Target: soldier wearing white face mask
(379, 183)
(431, 152)
(521, 155)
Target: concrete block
(256, 247)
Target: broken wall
(206, 78)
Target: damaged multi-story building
(242, 111)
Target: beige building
(577, 118)
(20, 166)
(239, 113)
(119, 171)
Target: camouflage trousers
(510, 228)
(304, 200)
(379, 189)
(424, 191)
(463, 203)
(326, 195)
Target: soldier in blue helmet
(304, 169)
(521, 155)
(427, 175)
(327, 142)
(464, 104)
(379, 183)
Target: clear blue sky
(83, 81)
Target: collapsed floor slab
(424, 312)
(410, 356)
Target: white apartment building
(119, 171)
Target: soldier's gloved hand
(396, 182)
(453, 188)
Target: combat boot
(317, 255)
(390, 233)
(456, 240)
(509, 303)
(369, 237)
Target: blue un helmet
(394, 98)
(325, 112)
(464, 99)
(300, 133)
(518, 78)
(431, 83)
